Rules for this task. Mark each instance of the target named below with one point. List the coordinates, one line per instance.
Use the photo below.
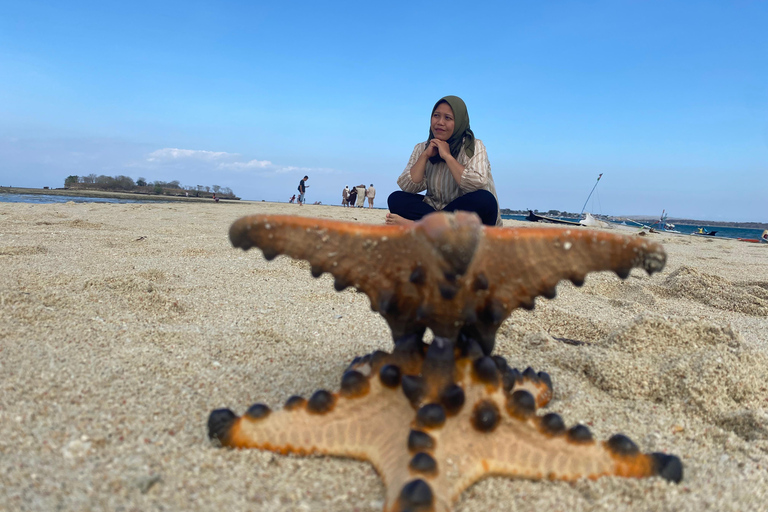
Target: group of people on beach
(451, 167)
(356, 196)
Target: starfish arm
(328, 424)
(522, 444)
(384, 262)
(521, 264)
(521, 450)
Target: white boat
(663, 226)
(589, 220)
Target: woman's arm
(418, 168)
(406, 181)
(477, 171)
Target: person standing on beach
(370, 193)
(302, 189)
(352, 197)
(345, 196)
(451, 166)
(360, 195)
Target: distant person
(352, 197)
(370, 194)
(451, 166)
(345, 196)
(360, 195)
(302, 189)
(216, 199)
(292, 199)
(765, 235)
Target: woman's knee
(395, 199)
(490, 207)
(483, 195)
(480, 202)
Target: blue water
(49, 199)
(687, 229)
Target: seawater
(689, 229)
(50, 199)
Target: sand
(124, 325)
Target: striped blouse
(439, 183)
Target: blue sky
(668, 99)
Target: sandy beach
(124, 325)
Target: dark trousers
(412, 206)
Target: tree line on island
(142, 186)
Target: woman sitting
(453, 168)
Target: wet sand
(124, 325)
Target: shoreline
(110, 195)
(150, 197)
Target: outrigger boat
(704, 232)
(663, 226)
(534, 217)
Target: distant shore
(708, 223)
(650, 219)
(106, 194)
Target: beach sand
(124, 325)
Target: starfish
(435, 418)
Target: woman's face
(443, 122)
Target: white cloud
(197, 160)
(176, 153)
(252, 164)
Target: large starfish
(434, 418)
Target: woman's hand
(432, 148)
(442, 147)
(437, 146)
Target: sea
(686, 229)
(49, 199)
(689, 229)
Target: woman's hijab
(461, 130)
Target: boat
(763, 238)
(590, 221)
(662, 226)
(704, 232)
(534, 217)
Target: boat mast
(590, 194)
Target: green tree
(124, 183)
(71, 180)
(141, 182)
